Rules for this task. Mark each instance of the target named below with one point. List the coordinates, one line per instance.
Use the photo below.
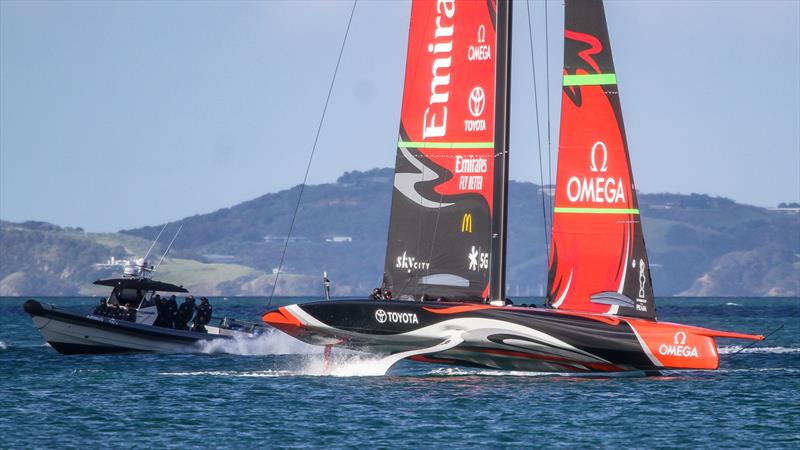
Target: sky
(115, 115)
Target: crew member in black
(387, 294)
(185, 313)
(376, 294)
(102, 308)
(172, 311)
(203, 316)
(161, 309)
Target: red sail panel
(598, 261)
(440, 227)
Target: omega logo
(603, 148)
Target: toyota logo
(380, 316)
(477, 100)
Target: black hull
(512, 338)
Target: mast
(501, 126)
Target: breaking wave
(341, 363)
(457, 371)
(773, 350)
(271, 343)
(732, 304)
(3, 345)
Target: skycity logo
(679, 348)
(410, 262)
(395, 317)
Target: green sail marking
(407, 144)
(597, 210)
(590, 79)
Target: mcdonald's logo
(466, 223)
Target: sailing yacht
(446, 251)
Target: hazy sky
(121, 114)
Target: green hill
(698, 245)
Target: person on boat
(185, 313)
(162, 319)
(376, 294)
(387, 294)
(113, 311)
(102, 308)
(203, 316)
(172, 311)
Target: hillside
(698, 245)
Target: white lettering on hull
(395, 317)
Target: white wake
(341, 363)
(3, 345)
(773, 350)
(270, 343)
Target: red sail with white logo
(440, 228)
(598, 261)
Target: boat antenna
(311, 156)
(168, 247)
(538, 132)
(756, 342)
(154, 242)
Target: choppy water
(273, 393)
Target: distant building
(283, 238)
(113, 263)
(215, 258)
(548, 189)
(785, 210)
(339, 239)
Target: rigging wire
(168, 247)
(547, 74)
(313, 150)
(538, 132)
(154, 242)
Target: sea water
(275, 392)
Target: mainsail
(598, 261)
(440, 232)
